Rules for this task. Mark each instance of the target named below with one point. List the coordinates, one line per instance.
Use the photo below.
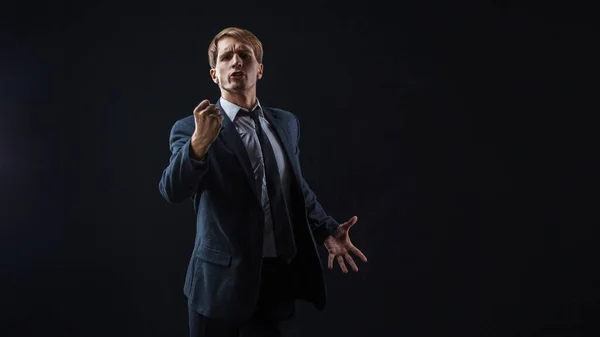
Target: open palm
(339, 247)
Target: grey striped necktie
(282, 226)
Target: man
(258, 222)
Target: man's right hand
(208, 121)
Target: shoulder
(183, 127)
(283, 115)
(184, 123)
(185, 120)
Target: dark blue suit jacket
(223, 275)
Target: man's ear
(213, 75)
(259, 75)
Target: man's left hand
(339, 247)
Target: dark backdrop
(461, 135)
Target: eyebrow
(227, 50)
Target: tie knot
(253, 114)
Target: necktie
(282, 227)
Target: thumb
(351, 222)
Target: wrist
(198, 150)
(337, 232)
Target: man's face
(236, 68)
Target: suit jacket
(223, 275)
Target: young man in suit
(258, 222)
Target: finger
(330, 261)
(209, 110)
(201, 106)
(351, 222)
(351, 262)
(342, 264)
(216, 122)
(358, 253)
(213, 112)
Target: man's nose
(237, 61)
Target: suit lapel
(230, 137)
(283, 136)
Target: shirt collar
(232, 109)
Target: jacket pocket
(213, 256)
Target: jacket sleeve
(321, 224)
(181, 178)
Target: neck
(243, 99)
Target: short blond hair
(240, 34)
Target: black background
(461, 134)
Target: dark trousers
(276, 303)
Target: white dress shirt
(246, 129)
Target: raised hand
(208, 120)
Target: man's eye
(245, 56)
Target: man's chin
(240, 88)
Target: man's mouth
(237, 75)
